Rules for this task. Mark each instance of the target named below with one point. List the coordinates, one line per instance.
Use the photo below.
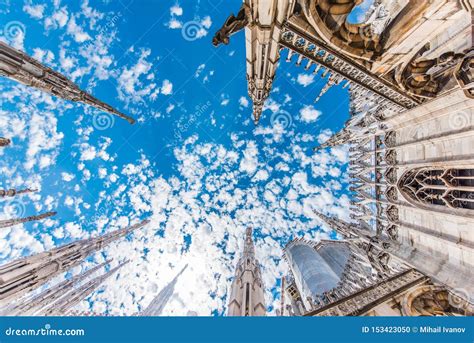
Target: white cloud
(249, 162)
(67, 176)
(76, 31)
(199, 70)
(206, 22)
(244, 102)
(170, 108)
(176, 10)
(174, 24)
(309, 114)
(35, 11)
(166, 87)
(305, 79)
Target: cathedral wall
(438, 238)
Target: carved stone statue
(417, 77)
(464, 74)
(232, 25)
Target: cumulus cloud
(305, 79)
(244, 102)
(309, 114)
(35, 11)
(166, 87)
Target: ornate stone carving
(331, 18)
(391, 175)
(432, 300)
(4, 142)
(391, 194)
(391, 157)
(355, 303)
(232, 25)
(392, 231)
(25, 274)
(392, 213)
(438, 186)
(364, 84)
(390, 139)
(417, 76)
(464, 74)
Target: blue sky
(194, 162)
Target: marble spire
(18, 66)
(155, 308)
(25, 274)
(15, 221)
(30, 305)
(12, 192)
(247, 296)
(76, 295)
(4, 141)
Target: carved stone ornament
(392, 213)
(232, 25)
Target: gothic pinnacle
(4, 141)
(12, 192)
(28, 273)
(11, 222)
(63, 305)
(19, 66)
(28, 306)
(158, 303)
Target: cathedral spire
(44, 299)
(4, 142)
(71, 299)
(15, 221)
(247, 296)
(25, 274)
(18, 66)
(155, 308)
(341, 137)
(262, 21)
(12, 192)
(249, 249)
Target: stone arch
(430, 300)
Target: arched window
(450, 187)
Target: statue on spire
(232, 25)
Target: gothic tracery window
(450, 187)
